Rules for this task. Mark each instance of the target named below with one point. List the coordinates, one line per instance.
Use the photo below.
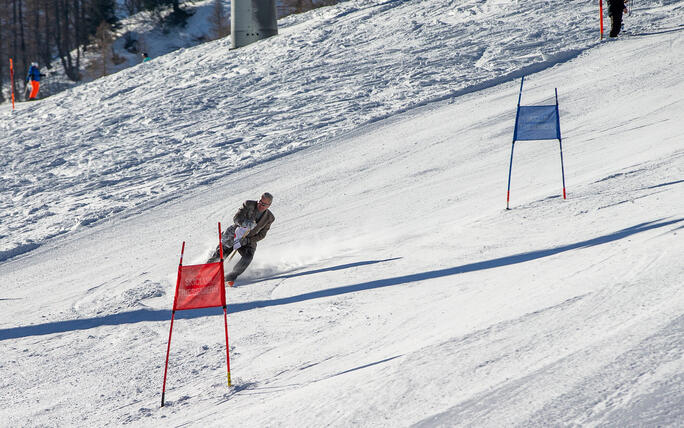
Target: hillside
(394, 289)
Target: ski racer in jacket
(257, 218)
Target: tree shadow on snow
(146, 315)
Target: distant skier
(145, 57)
(33, 81)
(257, 218)
(615, 11)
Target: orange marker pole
(12, 81)
(601, 17)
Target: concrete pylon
(252, 20)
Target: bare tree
(103, 40)
(298, 6)
(219, 21)
(36, 30)
(45, 28)
(64, 39)
(4, 57)
(133, 6)
(301, 6)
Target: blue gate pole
(515, 136)
(510, 168)
(562, 169)
(560, 143)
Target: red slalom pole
(168, 350)
(225, 309)
(220, 243)
(225, 322)
(173, 315)
(601, 17)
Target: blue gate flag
(537, 123)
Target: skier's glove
(249, 224)
(244, 242)
(227, 239)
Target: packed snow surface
(394, 289)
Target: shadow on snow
(146, 315)
(285, 275)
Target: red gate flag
(199, 286)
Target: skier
(33, 81)
(145, 57)
(257, 219)
(615, 10)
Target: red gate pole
(220, 243)
(225, 310)
(225, 321)
(12, 81)
(601, 17)
(173, 315)
(168, 349)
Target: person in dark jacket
(615, 11)
(258, 216)
(33, 81)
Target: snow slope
(198, 115)
(393, 289)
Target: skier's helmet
(34, 64)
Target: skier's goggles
(263, 204)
